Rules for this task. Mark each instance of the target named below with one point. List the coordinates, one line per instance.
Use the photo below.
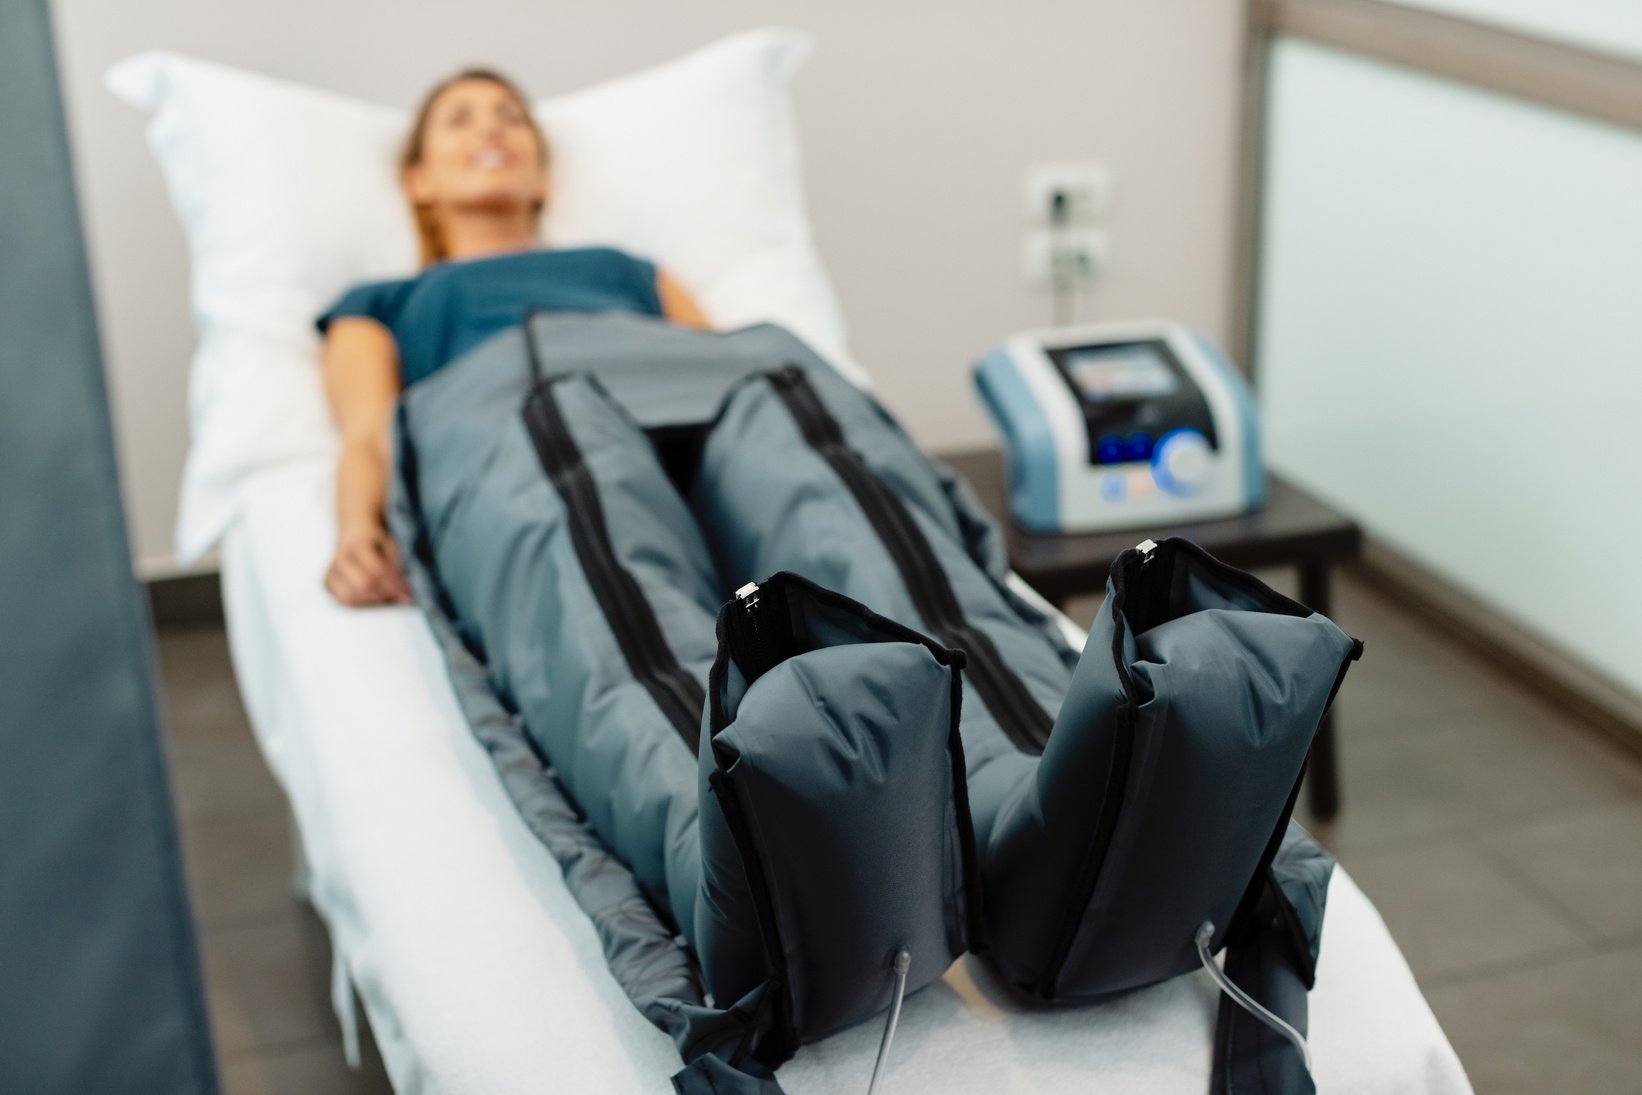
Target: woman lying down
(475, 168)
(770, 701)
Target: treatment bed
(450, 920)
(479, 973)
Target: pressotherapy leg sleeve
(1193, 672)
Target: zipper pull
(1147, 549)
(755, 643)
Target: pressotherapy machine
(749, 666)
(1138, 424)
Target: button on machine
(1110, 450)
(1182, 462)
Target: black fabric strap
(710, 1075)
(1275, 963)
(533, 355)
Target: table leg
(1324, 775)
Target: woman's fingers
(396, 570)
(390, 551)
(383, 578)
(367, 570)
(340, 586)
(350, 582)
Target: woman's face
(479, 150)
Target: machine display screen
(1123, 371)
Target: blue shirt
(451, 307)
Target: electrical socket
(1087, 253)
(1086, 184)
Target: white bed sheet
(481, 976)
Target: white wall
(1451, 337)
(920, 120)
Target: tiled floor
(1502, 842)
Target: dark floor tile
(239, 865)
(197, 684)
(1409, 672)
(1447, 773)
(192, 653)
(1589, 861)
(1389, 694)
(1387, 799)
(267, 983)
(216, 767)
(1454, 911)
(313, 1069)
(1566, 1026)
(1504, 768)
(218, 775)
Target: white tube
(903, 963)
(1205, 932)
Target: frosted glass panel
(1451, 336)
(1607, 26)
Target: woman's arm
(677, 305)
(361, 367)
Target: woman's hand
(366, 570)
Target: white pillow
(289, 195)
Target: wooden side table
(1291, 529)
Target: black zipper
(1022, 720)
(773, 1051)
(1117, 779)
(760, 634)
(652, 662)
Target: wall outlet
(1087, 187)
(1070, 257)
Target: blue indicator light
(1110, 450)
(1113, 486)
(1138, 446)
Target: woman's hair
(410, 153)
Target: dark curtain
(99, 981)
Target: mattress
(479, 974)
